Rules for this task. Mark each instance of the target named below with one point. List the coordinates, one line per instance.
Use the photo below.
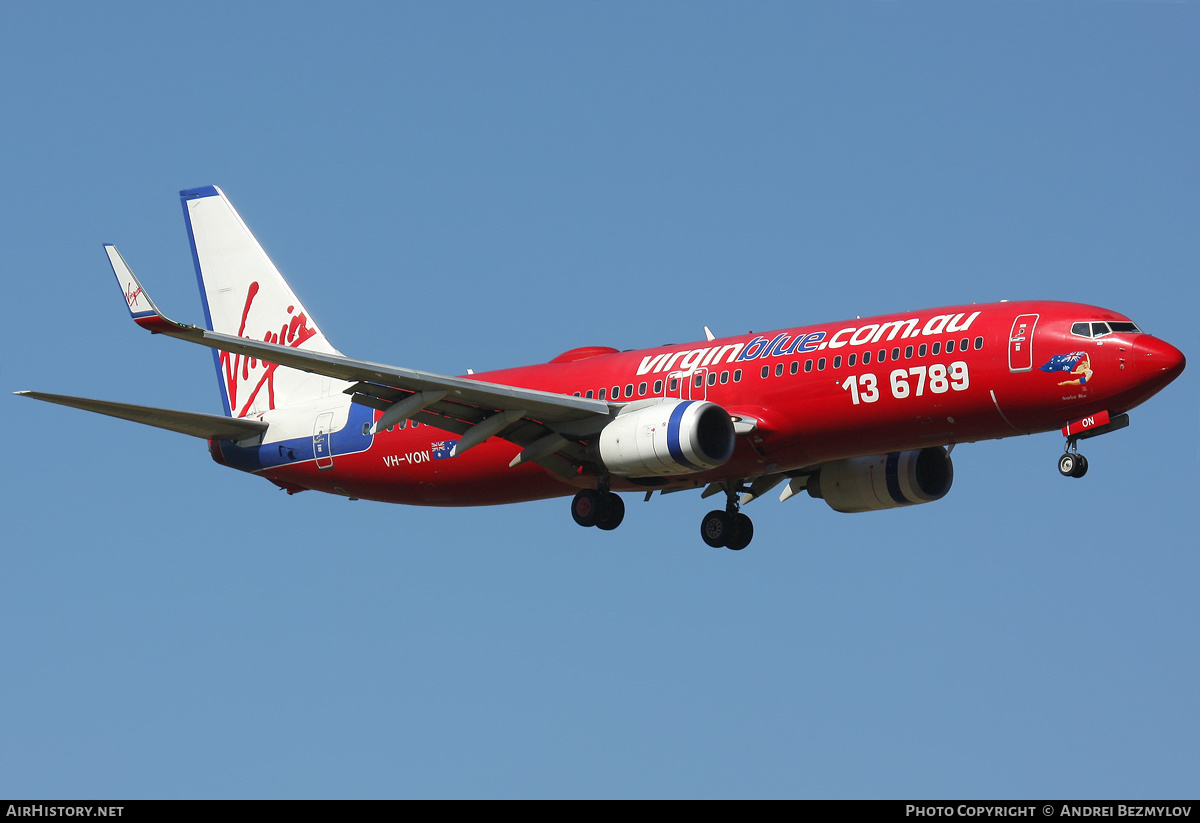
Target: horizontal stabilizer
(208, 426)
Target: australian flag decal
(1062, 362)
(443, 449)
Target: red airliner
(860, 413)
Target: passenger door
(321, 445)
(1020, 343)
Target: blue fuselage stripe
(350, 439)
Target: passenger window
(837, 362)
(616, 392)
(698, 381)
(657, 387)
(766, 371)
(712, 378)
(737, 375)
(629, 390)
(795, 366)
(949, 347)
(964, 344)
(896, 353)
(588, 394)
(866, 358)
(808, 365)
(724, 377)
(978, 343)
(921, 350)
(821, 364)
(600, 395)
(908, 352)
(674, 384)
(937, 349)
(851, 360)
(641, 388)
(779, 370)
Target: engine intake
(884, 481)
(667, 437)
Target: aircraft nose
(1154, 358)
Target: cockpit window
(1101, 329)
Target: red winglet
(155, 324)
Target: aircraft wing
(454, 403)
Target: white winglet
(141, 307)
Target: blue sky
(485, 185)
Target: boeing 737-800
(860, 413)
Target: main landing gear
(730, 528)
(601, 509)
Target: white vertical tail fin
(245, 295)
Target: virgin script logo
(132, 295)
(240, 370)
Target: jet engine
(666, 437)
(884, 481)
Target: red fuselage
(812, 394)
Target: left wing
(539, 421)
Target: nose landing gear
(1072, 463)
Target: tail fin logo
(250, 374)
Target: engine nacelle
(884, 481)
(667, 437)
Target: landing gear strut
(730, 528)
(601, 509)
(1072, 463)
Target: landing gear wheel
(743, 533)
(612, 511)
(587, 507)
(715, 528)
(724, 530)
(1067, 464)
(1080, 466)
